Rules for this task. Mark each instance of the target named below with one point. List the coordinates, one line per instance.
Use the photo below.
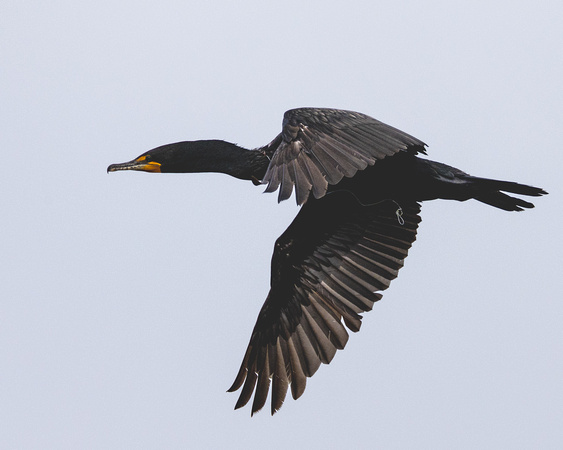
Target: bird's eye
(148, 158)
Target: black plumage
(359, 182)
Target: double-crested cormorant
(359, 181)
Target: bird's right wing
(318, 147)
(326, 267)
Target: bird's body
(359, 182)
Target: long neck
(223, 157)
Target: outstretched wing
(318, 147)
(327, 266)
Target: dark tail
(490, 192)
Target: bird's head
(166, 158)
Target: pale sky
(128, 299)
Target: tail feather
(489, 192)
(509, 186)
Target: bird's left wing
(326, 267)
(318, 147)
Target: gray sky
(128, 299)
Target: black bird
(360, 182)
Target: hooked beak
(137, 164)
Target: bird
(360, 184)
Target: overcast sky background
(128, 299)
